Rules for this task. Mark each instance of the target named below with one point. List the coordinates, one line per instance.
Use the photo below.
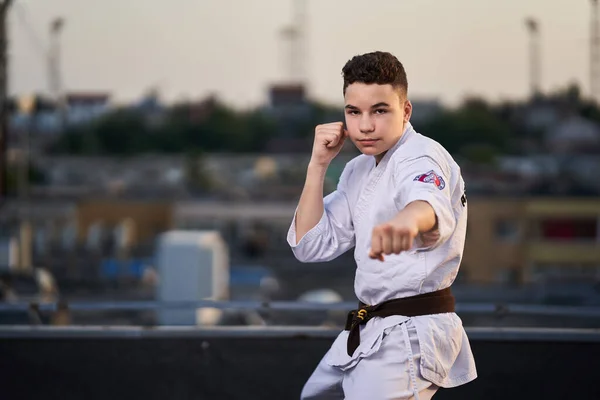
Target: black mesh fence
(131, 366)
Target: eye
(352, 112)
(380, 111)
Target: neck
(379, 157)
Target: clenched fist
(393, 237)
(329, 139)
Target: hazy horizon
(232, 49)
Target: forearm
(421, 214)
(310, 208)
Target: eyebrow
(381, 104)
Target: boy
(401, 204)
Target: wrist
(315, 176)
(408, 217)
(317, 167)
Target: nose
(366, 124)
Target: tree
(34, 175)
(123, 132)
(473, 124)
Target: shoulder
(356, 164)
(420, 148)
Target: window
(40, 240)
(507, 230)
(509, 276)
(565, 273)
(569, 228)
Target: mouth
(368, 142)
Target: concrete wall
(138, 363)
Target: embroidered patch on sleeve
(431, 177)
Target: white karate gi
(398, 357)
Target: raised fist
(329, 139)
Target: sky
(189, 49)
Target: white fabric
(391, 373)
(368, 195)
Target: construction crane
(55, 82)
(4, 7)
(594, 52)
(534, 57)
(295, 43)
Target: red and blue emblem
(431, 177)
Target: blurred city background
(152, 154)
(124, 121)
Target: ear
(407, 110)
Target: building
(46, 118)
(74, 238)
(532, 240)
(511, 241)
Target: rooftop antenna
(534, 56)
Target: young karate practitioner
(402, 205)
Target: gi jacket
(415, 168)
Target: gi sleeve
(334, 233)
(424, 179)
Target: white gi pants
(392, 373)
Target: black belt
(438, 302)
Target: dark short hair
(377, 67)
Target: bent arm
(421, 213)
(426, 193)
(322, 228)
(310, 207)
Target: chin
(371, 151)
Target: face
(375, 117)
